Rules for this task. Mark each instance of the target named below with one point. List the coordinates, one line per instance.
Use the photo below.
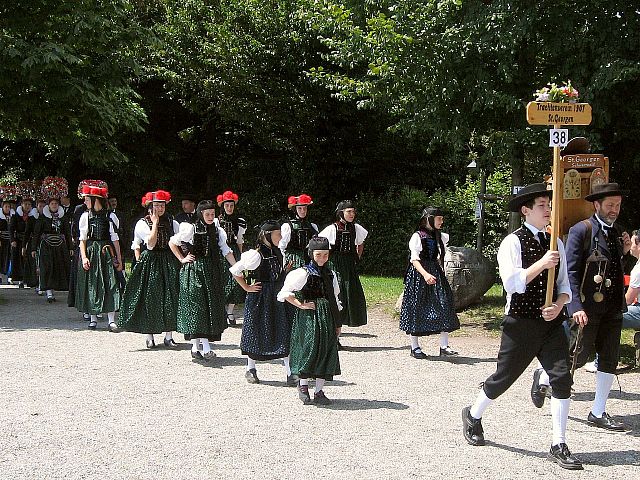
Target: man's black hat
(606, 190)
(527, 193)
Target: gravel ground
(80, 404)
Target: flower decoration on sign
(557, 94)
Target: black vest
(345, 239)
(270, 268)
(319, 287)
(528, 304)
(205, 241)
(99, 226)
(165, 231)
(301, 233)
(614, 273)
(231, 226)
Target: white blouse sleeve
(240, 236)
(83, 227)
(293, 282)
(285, 230)
(329, 233)
(185, 234)
(112, 231)
(315, 227)
(222, 242)
(176, 227)
(563, 275)
(361, 234)
(445, 238)
(249, 260)
(141, 234)
(415, 246)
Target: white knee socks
(168, 335)
(250, 364)
(304, 382)
(206, 347)
(414, 342)
(287, 367)
(444, 339)
(559, 416)
(230, 308)
(603, 387)
(482, 402)
(319, 384)
(94, 318)
(112, 317)
(194, 344)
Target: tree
(66, 72)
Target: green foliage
(66, 69)
(391, 219)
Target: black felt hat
(318, 243)
(576, 146)
(432, 212)
(606, 190)
(270, 225)
(527, 193)
(189, 196)
(344, 204)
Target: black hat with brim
(189, 196)
(270, 225)
(527, 193)
(606, 190)
(318, 243)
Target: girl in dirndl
(297, 232)
(427, 304)
(96, 286)
(199, 247)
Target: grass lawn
(486, 315)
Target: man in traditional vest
(597, 288)
(530, 329)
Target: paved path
(80, 404)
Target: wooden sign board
(550, 113)
(588, 160)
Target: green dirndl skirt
(354, 305)
(294, 259)
(233, 292)
(150, 299)
(314, 344)
(97, 289)
(201, 312)
(54, 263)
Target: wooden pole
(555, 217)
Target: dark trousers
(524, 339)
(602, 335)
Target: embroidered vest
(528, 304)
(301, 233)
(270, 268)
(345, 240)
(99, 226)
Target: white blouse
(186, 232)
(249, 260)
(285, 231)
(330, 234)
(83, 226)
(514, 277)
(142, 233)
(415, 244)
(297, 279)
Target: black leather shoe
(196, 355)
(605, 422)
(170, 343)
(321, 399)
(151, 343)
(252, 376)
(418, 353)
(538, 392)
(92, 325)
(447, 352)
(231, 319)
(472, 428)
(303, 394)
(562, 456)
(292, 380)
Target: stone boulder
(469, 273)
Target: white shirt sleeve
(293, 282)
(83, 227)
(240, 236)
(514, 277)
(141, 234)
(361, 234)
(185, 234)
(634, 277)
(112, 231)
(222, 242)
(329, 233)
(249, 260)
(176, 227)
(315, 226)
(415, 246)
(285, 230)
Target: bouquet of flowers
(558, 94)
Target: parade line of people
(300, 285)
